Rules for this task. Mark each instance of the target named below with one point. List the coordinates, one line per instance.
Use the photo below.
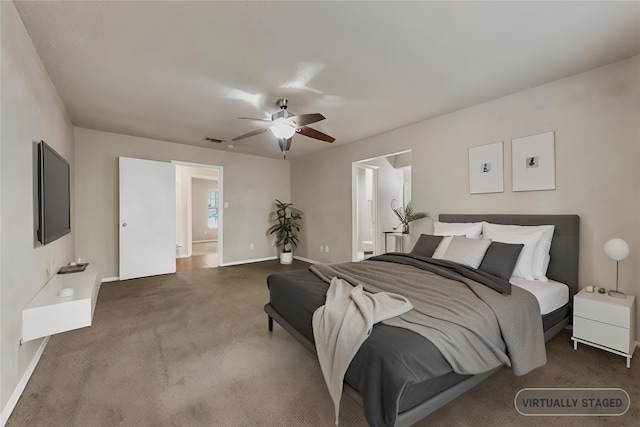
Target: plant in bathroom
(407, 215)
(286, 225)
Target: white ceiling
(181, 71)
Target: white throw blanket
(344, 323)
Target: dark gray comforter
(472, 325)
(394, 370)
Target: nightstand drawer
(610, 336)
(600, 310)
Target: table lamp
(616, 249)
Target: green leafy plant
(286, 219)
(406, 215)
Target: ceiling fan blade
(312, 133)
(253, 132)
(254, 119)
(305, 119)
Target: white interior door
(147, 218)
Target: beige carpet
(192, 349)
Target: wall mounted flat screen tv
(54, 195)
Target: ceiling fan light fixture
(282, 130)
(284, 125)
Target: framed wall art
(533, 163)
(486, 169)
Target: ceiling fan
(284, 124)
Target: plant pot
(286, 257)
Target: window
(213, 209)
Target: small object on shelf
(73, 268)
(602, 290)
(66, 293)
(589, 289)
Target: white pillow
(442, 247)
(471, 230)
(467, 251)
(541, 257)
(524, 266)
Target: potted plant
(406, 215)
(286, 219)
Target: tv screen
(54, 200)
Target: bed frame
(563, 267)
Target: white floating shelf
(49, 314)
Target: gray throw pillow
(467, 251)
(501, 259)
(426, 245)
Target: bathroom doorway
(375, 183)
(366, 190)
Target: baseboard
(248, 261)
(110, 279)
(13, 400)
(310, 261)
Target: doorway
(366, 208)
(375, 183)
(198, 216)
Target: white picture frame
(533, 163)
(486, 167)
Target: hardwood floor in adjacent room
(203, 255)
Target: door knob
(124, 224)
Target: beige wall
(595, 118)
(31, 111)
(249, 184)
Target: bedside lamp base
(616, 294)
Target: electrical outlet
(251, 246)
(326, 249)
(321, 248)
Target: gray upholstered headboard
(563, 266)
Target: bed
(401, 393)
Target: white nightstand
(605, 322)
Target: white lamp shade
(282, 130)
(616, 249)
